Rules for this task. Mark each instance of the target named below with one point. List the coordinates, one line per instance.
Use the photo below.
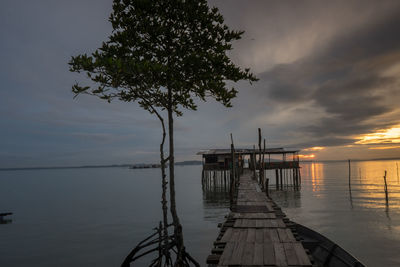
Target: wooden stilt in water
(350, 195)
(233, 178)
(386, 190)
(291, 177)
(300, 176)
(349, 175)
(294, 178)
(263, 167)
(267, 187)
(277, 179)
(224, 177)
(254, 162)
(259, 156)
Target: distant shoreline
(182, 163)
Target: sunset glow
(388, 136)
(315, 148)
(311, 156)
(384, 147)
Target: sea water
(96, 216)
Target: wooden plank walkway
(255, 233)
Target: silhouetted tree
(163, 54)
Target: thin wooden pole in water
(386, 189)
(351, 197)
(349, 175)
(254, 161)
(299, 175)
(294, 177)
(262, 168)
(259, 155)
(233, 179)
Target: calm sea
(94, 217)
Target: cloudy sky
(329, 77)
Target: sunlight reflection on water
(356, 217)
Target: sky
(329, 76)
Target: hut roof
(246, 151)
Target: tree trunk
(177, 225)
(164, 183)
(164, 194)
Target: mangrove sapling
(163, 55)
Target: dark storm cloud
(345, 79)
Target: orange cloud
(311, 156)
(384, 147)
(315, 148)
(387, 136)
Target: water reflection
(314, 174)
(371, 185)
(216, 198)
(288, 198)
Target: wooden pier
(218, 163)
(256, 232)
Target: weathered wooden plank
(243, 235)
(235, 235)
(238, 223)
(267, 236)
(254, 216)
(252, 209)
(269, 254)
(227, 235)
(259, 236)
(290, 235)
(227, 254)
(258, 258)
(213, 259)
(304, 260)
(290, 253)
(269, 206)
(251, 235)
(280, 257)
(282, 235)
(274, 223)
(281, 223)
(273, 235)
(245, 223)
(237, 253)
(248, 254)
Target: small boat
(3, 220)
(325, 252)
